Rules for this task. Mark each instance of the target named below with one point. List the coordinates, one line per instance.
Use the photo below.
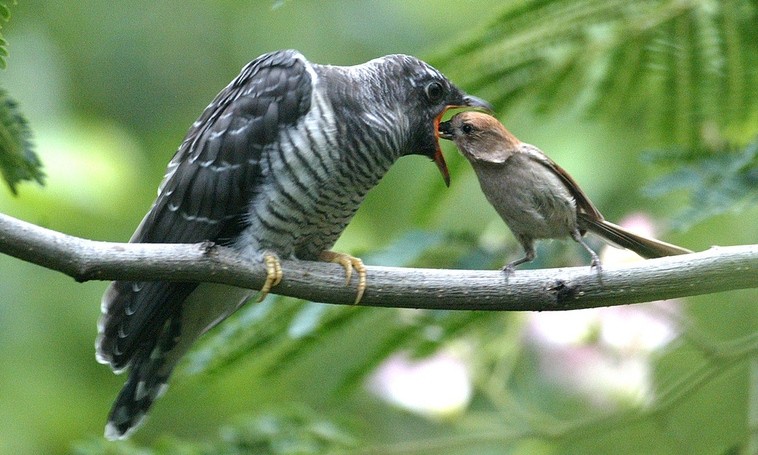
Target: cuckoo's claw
(349, 263)
(273, 274)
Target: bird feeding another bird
(535, 197)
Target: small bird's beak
(445, 130)
(439, 159)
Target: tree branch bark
(714, 270)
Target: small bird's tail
(646, 247)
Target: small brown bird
(536, 198)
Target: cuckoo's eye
(467, 128)
(434, 91)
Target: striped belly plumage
(315, 183)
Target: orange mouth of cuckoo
(439, 158)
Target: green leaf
(18, 162)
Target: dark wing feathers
(205, 192)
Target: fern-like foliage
(5, 14)
(716, 184)
(672, 66)
(18, 161)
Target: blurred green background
(110, 88)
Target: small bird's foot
(348, 263)
(596, 264)
(509, 269)
(273, 274)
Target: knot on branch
(564, 293)
(207, 247)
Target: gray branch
(714, 270)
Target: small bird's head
(479, 136)
(420, 95)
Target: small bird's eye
(434, 91)
(467, 128)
